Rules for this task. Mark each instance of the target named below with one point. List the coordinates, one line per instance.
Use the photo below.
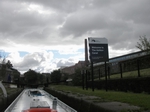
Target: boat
(37, 100)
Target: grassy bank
(142, 100)
(9, 90)
(131, 74)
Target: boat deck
(37, 98)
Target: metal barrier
(66, 107)
(62, 104)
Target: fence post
(120, 69)
(108, 72)
(82, 73)
(89, 75)
(99, 71)
(138, 67)
(106, 85)
(86, 73)
(92, 73)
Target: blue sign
(98, 49)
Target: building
(8, 73)
(71, 69)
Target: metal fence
(62, 104)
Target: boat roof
(40, 110)
(40, 104)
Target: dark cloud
(80, 23)
(116, 20)
(52, 23)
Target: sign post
(98, 49)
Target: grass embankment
(141, 100)
(9, 90)
(131, 74)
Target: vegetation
(56, 76)
(144, 43)
(77, 78)
(32, 77)
(64, 76)
(9, 90)
(5, 66)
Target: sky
(44, 35)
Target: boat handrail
(62, 104)
(66, 107)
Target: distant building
(7, 74)
(71, 69)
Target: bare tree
(144, 43)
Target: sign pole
(92, 73)
(106, 76)
(86, 73)
(98, 49)
(82, 73)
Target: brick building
(71, 69)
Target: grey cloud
(65, 6)
(81, 22)
(16, 20)
(29, 62)
(121, 22)
(63, 62)
(137, 11)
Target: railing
(62, 104)
(65, 107)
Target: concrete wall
(77, 103)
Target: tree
(56, 76)
(8, 64)
(31, 77)
(3, 68)
(77, 78)
(64, 76)
(16, 74)
(41, 78)
(144, 43)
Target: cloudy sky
(44, 35)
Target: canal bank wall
(6, 101)
(78, 102)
